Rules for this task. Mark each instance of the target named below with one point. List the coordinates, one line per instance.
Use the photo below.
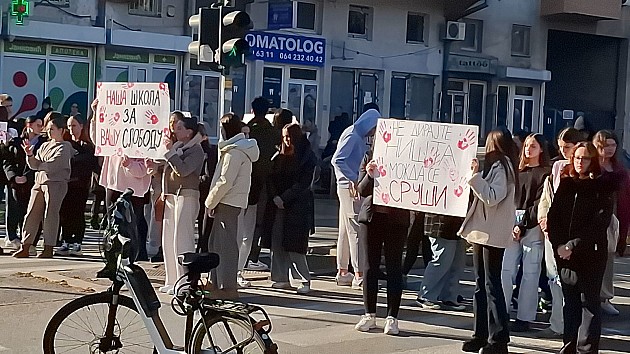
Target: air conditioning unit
(625, 2)
(455, 31)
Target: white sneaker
(166, 289)
(64, 250)
(303, 289)
(75, 250)
(15, 244)
(32, 251)
(344, 280)
(357, 283)
(609, 309)
(281, 285)
(366, 323)
(256, 266)
(391, 326)
(242, 282)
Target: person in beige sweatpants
(52, 163)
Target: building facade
(534, 65)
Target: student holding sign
(52, 163)
(488, 226)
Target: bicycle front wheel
(226, 331)
(79, 327)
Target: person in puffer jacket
(228, 195)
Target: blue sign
(280, 15)
(288, 49)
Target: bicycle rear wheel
(79, 326)
(226, 331)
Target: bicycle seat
(199, 262)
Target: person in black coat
(83, 164)
(386, 231)
(577, 225)
(290, 212)
(20, 177)
(204, 222)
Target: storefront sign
(132, 119)
(132, 58)
(25, 47)
(422, 165)
(69, 51)
(164, 59)
(280, 15)
(282, 48)
(464, 63)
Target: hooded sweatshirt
(52, 162)
(352, 147)
(230, 184)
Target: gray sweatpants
(223, 241)
(44, 205)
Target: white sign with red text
(422, 166)
(132, 119)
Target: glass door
(302, 101)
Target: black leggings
(383, 234)
(72, 214)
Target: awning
(147, 40)
(57, 32)
(510, 72)
(456, 9)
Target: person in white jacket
(228, 195)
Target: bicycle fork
(110, 342)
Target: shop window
(398, 97)
(145, 7)
(476, 103)
(420, 98)
(520, 40)
(303, 74)
(360, 22)
(415, 27)
(524, 91)
(472, 40)
(305, 13)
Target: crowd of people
(533, 222)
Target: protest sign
(422, 166)
(4, 134)
(132, 119)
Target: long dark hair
(543, 159)
(501, 147)
(231, 123)
(599, 140)
(297, 140)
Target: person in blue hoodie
(346, 161)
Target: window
(145, 7)
(305, 15)
(520, 40)
(472, 40)
(359, 22)
(415, 27)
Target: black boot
(159, 256)
(473, 345)
(494, 348)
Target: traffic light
(206, 26)
(233, 46)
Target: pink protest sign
(422, 166)
(132, 119)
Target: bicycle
(109, 322)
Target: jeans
(442, 274)
(582, 308)
(491, 317)
(556, 320)
(383, 235)
(530, 248)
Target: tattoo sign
(422, 166)
(132, 119)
